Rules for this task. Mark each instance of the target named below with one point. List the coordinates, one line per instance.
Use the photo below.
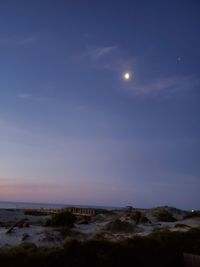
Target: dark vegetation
(161, 248)
(139, 217)
(103, 211)
(83, 220)
(164, 216)
(118, 226)
(194, 214)
(62, 218)
(35, 212)
(181, 225)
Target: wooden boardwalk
(87, 212)
(81, 211)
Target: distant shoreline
(22, 205)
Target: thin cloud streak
(99, 52)
(163, 85)
(27, 96)
(10, 128)
(26, 191)
(23, 186)
(19, 40)
(24, 96)
(14, 185)
(120, 63)
(109, 58)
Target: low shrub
(139, 217)
(165, 216)
(35, 212)
(62, 218)
(181, 225)
(119, 226)
(162, 249)
(194, 214)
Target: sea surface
(28, 205)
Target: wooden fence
(76, 211)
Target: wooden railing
(81, 211)
(76, 211)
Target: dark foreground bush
(103, 211)
(194, 214)
(181, 225)
(139, 217)
(163, 249)
(34, 212)
(118, 226)
(62, 218)
(165, 216)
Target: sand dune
(111, 225)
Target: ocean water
(28, 205)
(21, 205)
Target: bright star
(127, 76)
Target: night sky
(73, 129)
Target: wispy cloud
(114, 59)
(19, 40)
(24, 96)
(161, 85)
(99, 52)
(31, 97)
(14, 182)
(28, 40)
(20, 191)
(25, 186)
(10, 127)
(110, 58)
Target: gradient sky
(72, 130)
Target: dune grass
(161, 248)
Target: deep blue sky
(72, 130)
